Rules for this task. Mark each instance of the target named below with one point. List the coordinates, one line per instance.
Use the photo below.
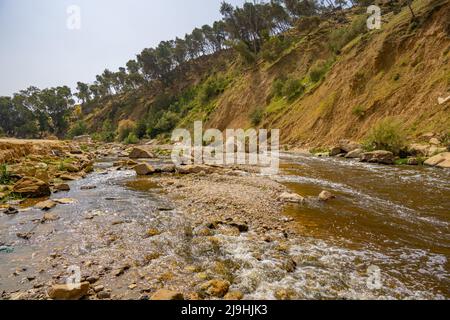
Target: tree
(83, 92)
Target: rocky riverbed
(136, 227)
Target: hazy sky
(37, 47)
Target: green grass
(5, 177)
(387, 134)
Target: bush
(292, 89)
(318, 70)
(125, 128)
(212, 88)
(386, 135)
(5, 177)
(256, 117)
(341, 37)
(131, 139)
(166, 123)
(358, 111)
(78, 129)
(107, 134)
(274, 47)
(141, 129)
(244, 52)
(277, 87)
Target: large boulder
(441, 160)
(355, 154)
(32, 188)
(347, 145)
(144, 169)
(379, 156)
(140, 153)
(68, 292)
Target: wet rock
(24, 235)
(68, 292)
(441, 160)
(45, 205)
(88, 187)
(152, 232)
(144, 169)
(65, 201)
(10, 210)
(379, 156)
(62, 187)
(326, 196)
(285, 294)
(140, 153)
(234, 296)
(215, 288)
(355, 154)
(291, 198)
(49, 217)
(166, 295)
(32, 188)
(68, 177)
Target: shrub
(292, 89)
(318, 70)
(277, 87)
(125, 128)
(274, 47)
(141, 129)
(358, 111)
(107, 134)
(166, 123)
(247, 55)
(256, 116)
(341, 37)
(78, 129)
(131, 139)
(386, 135)
(212, 88)
(5, 177)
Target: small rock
(234, 295)
(99, 288)
(144, 169)
(152, 232)
(68, 292)
(379, 156)
(326, 196)
(10, 211)
(140, 153)
(88, 187)
(215, 288)
(65, 201)
(62, 187)
(291, 197)
(164, 294)
(435, 141)
(104, 295)
(45, 205)
(50, 217)
(68, 177)
(92, 279)
(24, 235)
(413, 162)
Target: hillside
(400, 70)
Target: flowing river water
(386, 235)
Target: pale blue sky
(38, 49)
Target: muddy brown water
(385, 236)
